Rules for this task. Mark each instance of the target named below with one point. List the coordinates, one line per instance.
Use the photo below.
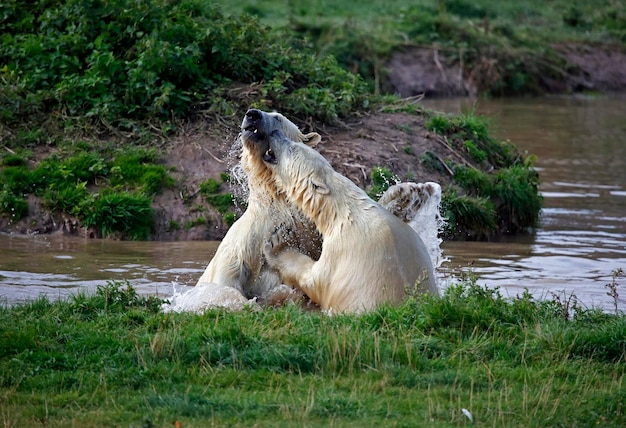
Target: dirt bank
(394, 140)
(428, 71)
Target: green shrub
(198, 221)
(431, 161)
(13, 206)
(222, 202)
(517, 190)
(125, 61)
(47, 173)
(514, 191)
(136, 167)
(473, 181)
(16, 180)
(54, 172)
(67, 198)
(66, 185)
(229, 218)
(13, 160)
(126, 213)
(154, 179)
(474, 132)
(438, 123)
(468, 217)
(84, 166)
(476, 154)
(209, 187)
(382, 179)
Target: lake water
(581, 239)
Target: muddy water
(57, 266)
(581, 149)
(581, 239)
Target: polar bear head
(264, 123)
(307, 179)
(256, 126)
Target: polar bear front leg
(294, 268)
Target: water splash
(429, 223)
(204, 296)
(237, 177)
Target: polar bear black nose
(253, 114)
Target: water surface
(581, 239)
(57, 265)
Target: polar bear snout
(253, 114)
(253, 125)
(252, 119)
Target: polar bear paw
(405, 200)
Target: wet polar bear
(369, 256)
(237, 272)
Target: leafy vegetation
(121, 71)
(223, 202)
(109, 194)
(123, 62)
(502, 195)
(111, 358)
(382, 179)
(505, 48)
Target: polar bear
(369, 256)
(237, 272)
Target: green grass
(505, 46)
(111, 359)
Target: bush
(70, 186)
(131, 215)
(128, 60)
(67, 198)
(467, 217)
(209, 187)
(13, 206)
(382, 179)
(504, 200)
(13, 160)
(513, 190)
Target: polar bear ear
(311, 139)
(319, 185)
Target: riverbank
(468, 358)
(399, 142)
(123, 128)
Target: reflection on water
(581, 240)
(58, 266)
(581, 149)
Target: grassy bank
(95, 80)
(506, 48)
(113, 360)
